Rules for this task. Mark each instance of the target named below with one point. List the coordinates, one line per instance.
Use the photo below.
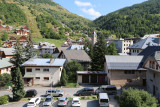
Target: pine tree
(17, 60)
(18, 85)
(5, 36)
(29, 50)
(111, 49)
(88, 48)
(99, 52)
(64, 78)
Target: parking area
(68, 92)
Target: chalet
(5, 65)
(125, 70)
(7, 52)
(44, 72)
(152, 64)
(23, 31)
(79, 55)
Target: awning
(29, 76)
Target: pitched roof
(5, 63)
(79, 55)
(150, 41)
(8, 51)
(149, 51)
(44, 62)
(115, 62)
(76, 47)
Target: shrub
(4, 99)
(137, 98)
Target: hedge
(4, 99)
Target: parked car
(76, 102)
(31, 93)
(63, 101)
(109, 89)
(85, 91)
(34, 102)
(103, 100)
(54, 92)
(48, 102)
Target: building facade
(44, 72)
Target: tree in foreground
(71, 68)
(5, 79)
(29, 49)
(137, 98)
(18, 85)
(63, 78)
(99, 52)
(111, 49)
(5, 36)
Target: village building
(5, 27)
(152, 64)
(79, 55)
(136, 48)
(6, 52)
(43, 72)
(23, 31)
(5, 65)
(125, 70)
(91, 77)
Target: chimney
(51, 60)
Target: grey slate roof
(150, 41)
(91, 72)
(79, 55)
(149, 51)
(115, 62)
(8, 51)
(44, 62)
(76, 47)
(5, 63)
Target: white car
(76, 102)
(48, 101)
(34, 102)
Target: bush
(4, 99)
(137, 98)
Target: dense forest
(11, 14)
(137, 20)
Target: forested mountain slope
(42, 16)
(137, 20)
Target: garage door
(85, 78)
(93, 78)
(101, 78)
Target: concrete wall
(5, 70)
(79, 79)
(54, 75)
(119, 78)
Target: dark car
(85, 92)
(31, 93)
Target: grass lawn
(58, 43)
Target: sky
(92, 9)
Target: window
(46, 78)
(29, 69)
(37, 77)
(154, 75)
(60, 69)
(124, 48)
(129, 72)
(137, 51)
(153, 64)
(150, 63)
(37, 69)
(124, 44)
(46, 70)
(157, 66)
